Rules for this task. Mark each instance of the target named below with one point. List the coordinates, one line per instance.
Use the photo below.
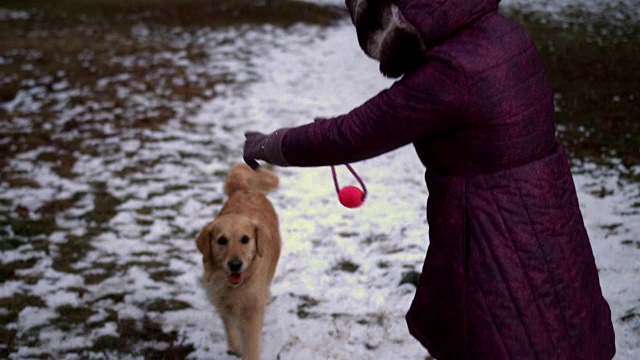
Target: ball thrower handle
(335, 180)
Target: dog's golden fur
(240, 250)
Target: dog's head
(230, 244)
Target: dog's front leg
(234, 335)
(253, 320)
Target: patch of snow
(8, 14)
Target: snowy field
(336, 294)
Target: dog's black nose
(234, 265)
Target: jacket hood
(435, 20)
(397, 32)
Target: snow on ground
(336, 291)
(613, 224)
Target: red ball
(351, 197)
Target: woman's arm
(427, 101)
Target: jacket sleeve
(421, 104)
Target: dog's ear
(202, 242)
(261, 235)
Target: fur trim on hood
(385, 35)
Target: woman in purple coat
(509, 272)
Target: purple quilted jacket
(509, 272)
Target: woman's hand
(258, 146)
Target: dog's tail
(242, 177)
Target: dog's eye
(223, 241)
(245, 239)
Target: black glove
(258, 146)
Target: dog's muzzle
(234, 267)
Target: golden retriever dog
(240, 250)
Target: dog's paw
(234, 353)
